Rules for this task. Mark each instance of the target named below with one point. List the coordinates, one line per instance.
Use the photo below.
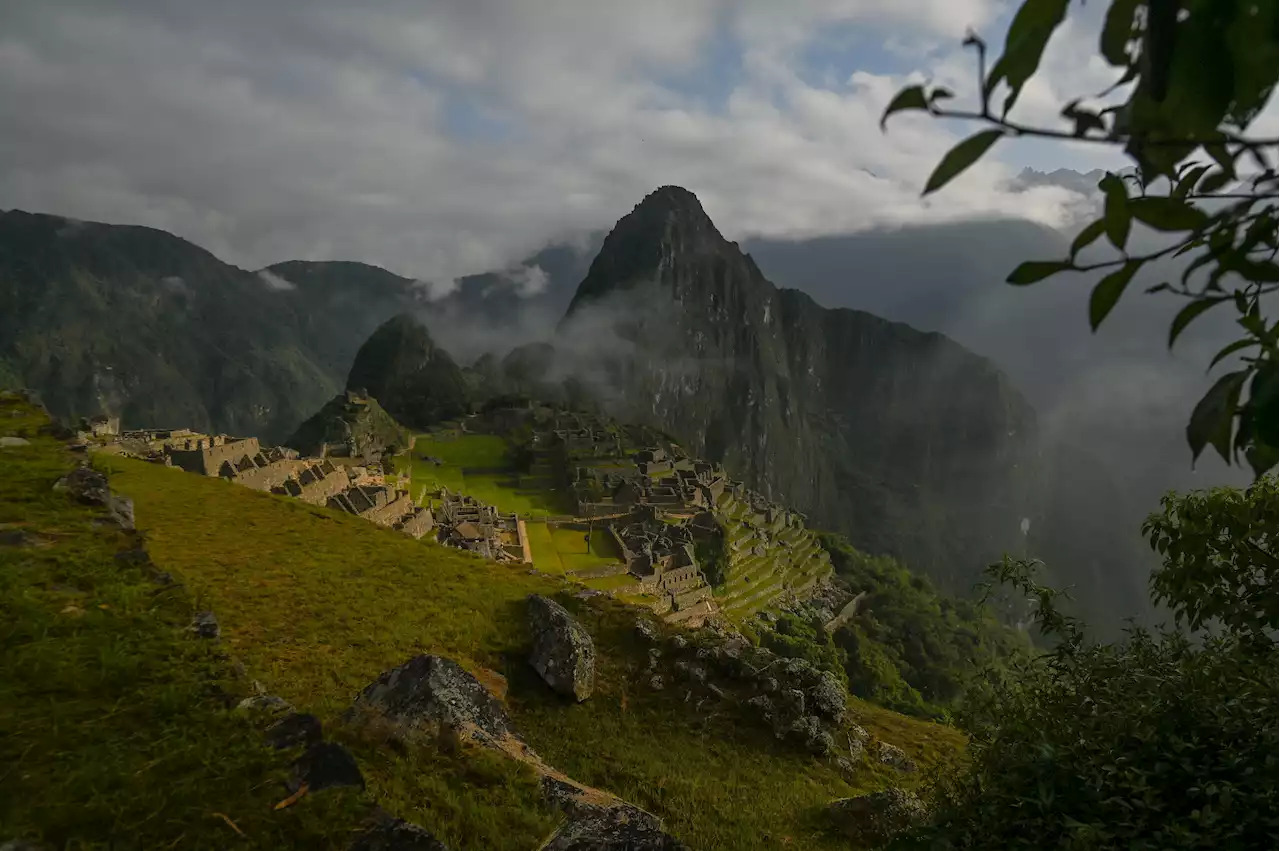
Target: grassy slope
(112, 726)
(316, 604)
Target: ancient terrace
(357, 486)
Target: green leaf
(1034, 270)
(1214, 182)
(1118, 30)
(1211, 420)
(1232, 348)
(912, 97)
(1087, 237)
(961, 157)
(1028, 34)
(1188, 181)
(1115, 214)
(1108, 292)
(1188, 314)
(1167, 214)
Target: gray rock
(845, 766)
(762, 703)
(769, 685)
(265, 703)
(119, 513)
(588, 593)
(859, 733)
(679, 642)
(85, 485)
(611, 831)
(428, 693)
(698, 673)
(325, 765)
(393, 834)
(17, 538)
(7, 442)
(567, 796)
(656, 683)
(563, 652)
(895, 757)
(296, 728)
(828, 698)
(205, 625)
(877, 816)
(808, 730)
(647, 629)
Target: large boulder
(325, 765)
(563, 652)
(89, 487)
(828, 697)
(611, 831)
(877, 816)
(428, 694)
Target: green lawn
(479, 466)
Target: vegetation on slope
(316, 604)
(415, 380)
(114, 726)
(911, 647)
(362, 425)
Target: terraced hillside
(769, 558)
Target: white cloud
(275, 282)
(320, 130)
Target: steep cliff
(903, 440)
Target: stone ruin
(652, 476)
(661, 556)
(362, 490)
(468, 524)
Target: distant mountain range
(900, 438)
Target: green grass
(113, 731)
(317, 604)
(479, 466)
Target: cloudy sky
(447, 137)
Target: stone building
(466, 523)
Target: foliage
(910, 647)
(1152, 742)
(1219, 551)
(1194, 75)
(417, 382)
(804, 638)
(713, 559)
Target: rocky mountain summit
(904, 440)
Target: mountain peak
(667, 226)
(671, 198)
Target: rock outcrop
(877, 816)
(563, 652)
(429, 694)
(89, 487)
(606, 831)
